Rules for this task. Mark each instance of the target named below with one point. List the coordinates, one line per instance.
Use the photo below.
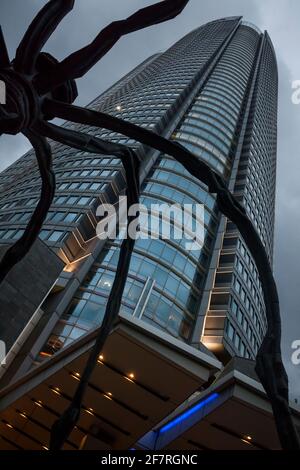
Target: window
(237, 286)
(84, 185)
(245, 325)
(44, 234)
(18, 234)
(55, 216)
(83, 201)
(96, 186)
(234, 307)
(70, 217)
(55, 236)
(237, 341)
(71, 200)
(230, 331)
(61, 200)
(8, 234)
(63, 186)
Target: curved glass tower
(214, 92)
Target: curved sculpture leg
(38, 33)
(80, 62)
(4, 58)
(63, 427)
(44, 158)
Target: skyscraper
(214, 92)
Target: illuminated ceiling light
(246, 442)
(9, 425)
(45, 448)
(45, 354)
(38, 403)
(75, 375)
(23, 414)
(56, 390)
(108, 395)
(130, 377)
(247, 439)
(119, 107)
(90, 411)
(101, 358)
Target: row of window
(188, 182)
(213, 125)
(204, 155)
(82, 186)
(66, 217)
(74, 201)
(75, 161)
(243, 321)
(181, 183)
(237, 341)
(89, 173)
(212, 136)
(244, 298)
(49, 235)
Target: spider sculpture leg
(65, 424)
(4, 59)
(269, 367)
(80, 62)
(44, 158)
(26, 75)
(38, 34)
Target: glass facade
(195, 93)
(237, 294)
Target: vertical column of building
(236, 321)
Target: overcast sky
(279, 17)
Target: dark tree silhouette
(40, 88)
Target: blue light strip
(188, 413)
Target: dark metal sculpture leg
(44, 158)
